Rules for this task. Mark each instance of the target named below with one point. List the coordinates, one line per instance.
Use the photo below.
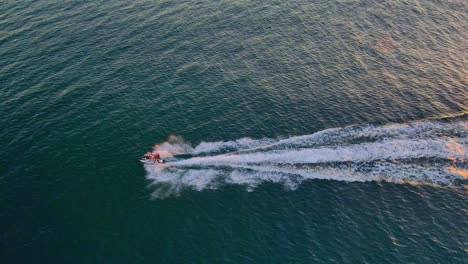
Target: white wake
(423, 152)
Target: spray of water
(421, 153)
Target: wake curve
(422, 152)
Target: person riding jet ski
(156, 156)
(153, 157)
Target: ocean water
(294, 131)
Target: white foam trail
(240, 144)
(419, 152)
(337, 136)
(388, 149)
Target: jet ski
(152, 158)
(147, 160)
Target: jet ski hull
(148, 161)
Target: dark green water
(313, 131)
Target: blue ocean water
(295, 132)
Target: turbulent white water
(423, 152)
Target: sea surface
(324, 131)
